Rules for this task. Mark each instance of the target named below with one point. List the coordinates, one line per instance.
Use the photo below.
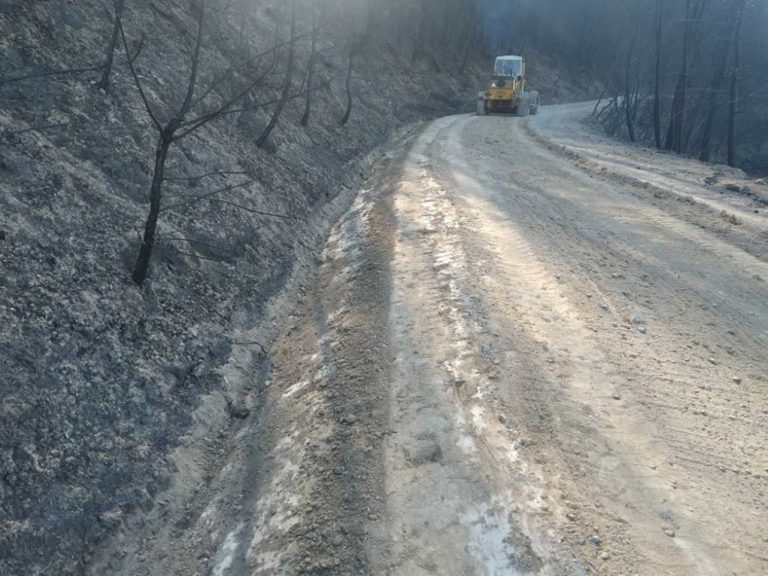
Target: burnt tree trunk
(141, 270)
(350, 67)
(675, 131)
(712, 94)
(107, 71)
(694, 10)
(733, 91)
(629, 108)
(287, 84)
(310, 72)
(657, 74)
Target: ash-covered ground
(99, 377)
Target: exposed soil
(524, 349)
(118, 402)
(510, 362)
(101, 380)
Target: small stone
(616, 396)
(605, 556)
(736, 380)
(111, 518)
(239, 412)
(669, 532)
(641, 329)
(424, 450)
(638, 319)
(712, 360)
(596, 540)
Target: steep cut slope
(100, 378)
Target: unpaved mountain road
(517, 358)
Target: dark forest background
(684, 75)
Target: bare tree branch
(212, 116)
(200, 121)
(36, 128)
(192, 241)
(234, 68)
(254, 211)
(198, 198)
(10, 80)
(136, 80)
(107, 68)
(195, 62)
(217, 260)
(208, 175)
(287, 84)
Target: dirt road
(529, 350)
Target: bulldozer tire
(524, 107)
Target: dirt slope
(510, 362)
(100, 380)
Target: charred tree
(675, 131)
(629, 107)
(714, 88)
(348, 83)
(694, 11)
(733, 91)
(657, 74)
(167, 134)
(310, 72)
(287, 84)
(183, 122)
(107, 71)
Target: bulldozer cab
(509, 67)
(507, 92)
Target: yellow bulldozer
(508, 92)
